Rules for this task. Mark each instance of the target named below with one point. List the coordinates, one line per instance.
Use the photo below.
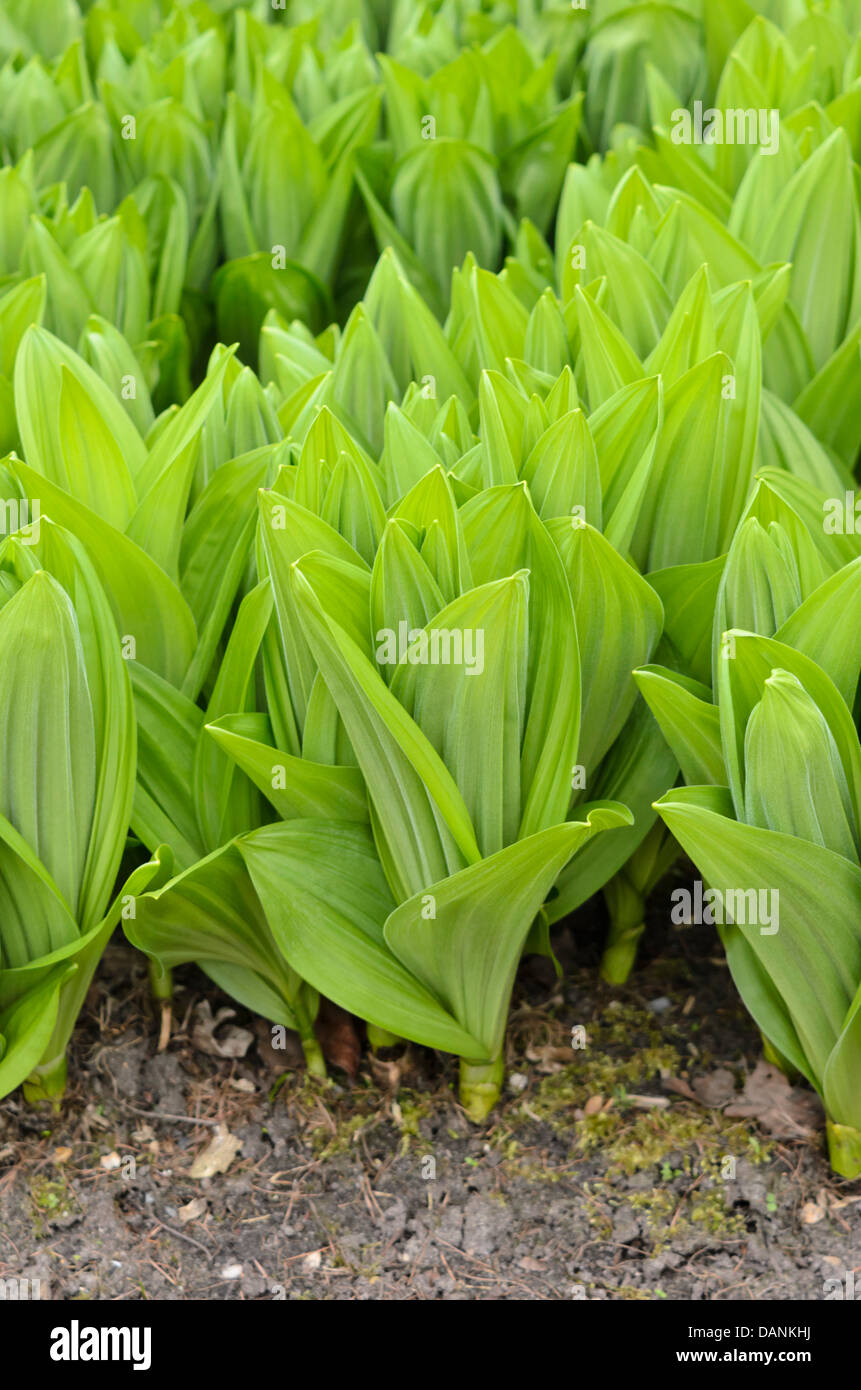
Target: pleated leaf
(467, 953)
(326, 899)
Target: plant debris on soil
(643, 1150)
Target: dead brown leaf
(232, 1042)
(681, 1088)
(192, 1210)
(811, 1213)
(387, 1073)
(549, 1059)
(279, 1059)
(716, 1088)
(339, 1038)
(217, 1156)
(838, 1203)
(787, 1112)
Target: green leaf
(226, 803)
(688, 720)
(26, 1028)
(502, 411)
(39, 376)
(420, 813)
(430, 506)
(625, 430)
(794, 781)
(638, 767)
(693, 459)
(363, 382)
(689, 596)
(839, 1088)
(296, 787)
(817, 628)
(210, 914)
(446, 202)
(749, 662)
(813, 962)
(217, 540)
(48, 784)
(825, 403)
(113, 714)
(619, 619)
(562, 471)
(532, 170)
(414, 342)
(608, 361)
(326, 899)
(403, 588)
(147, 605)
(169, 728)
(785, 442)
(816, 209)
(245, 290)
(36, 919)
(20, 306)
(93, 468)
(468, 951)
(463, 681)
(287, 532)
(504, 535)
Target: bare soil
(598, 1177)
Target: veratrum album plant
(65, 795)
(784, 821)
(428, 435)
(435, 695)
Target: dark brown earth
(379, 1188)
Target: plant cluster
(429, 437)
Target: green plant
(785, 817)
(65, 796)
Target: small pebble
(659, 1006)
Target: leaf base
(46, 1084)
(480, 1087)
(844, 1149)
(620, 955)
(314, 1059)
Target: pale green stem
(627, 908)
(160, 982)
(47, 1083)
(314, 1059)
(480, 1086)
(844, 1149)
